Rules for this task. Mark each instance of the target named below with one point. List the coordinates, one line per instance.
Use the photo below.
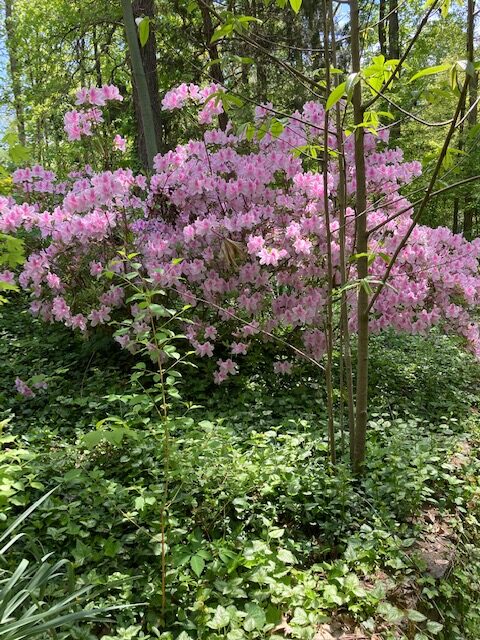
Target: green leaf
(352, 80)
(93, 438)
(296, 5)
(276, 128)
(335, 96)
(144, 30)
(198, 565)
(415, 616)
(284, 555)
(434, 627)
(431, 71)
(389, 612)
(299, 617)
(249, 131)
(220, 619)
(255, 619)
(18, 153)
(221, 32)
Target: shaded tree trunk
(98, 67)
(361, 249)
(145, 118)
(382, 40)
(469, 209)
(148, 53)
(215, 69)
(394, 53)
(14, 72)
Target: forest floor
(263, 537)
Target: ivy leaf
(299, 617)
(286, 556)
(255, 619)
(220, 619)
(389, 612)
(415, 616)
(198, 565)
(434, 627)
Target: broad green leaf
(18, 153)
(276, 128)
(221, 32)
(198, 565)
(255, 619)
(434, 627)
(335, 96)
(351, 81)
(296, 5)
(221, 618)
(144, 30)
(415, 616)
(431, 71)
(286, 556)
(389, 612)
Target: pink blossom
(120, 143)
(23, 389)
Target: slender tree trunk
(146, 122)
(455, 216)
(394, 54)
(14, 72)
(346, 354)
(98, 67)
(146, 8)
(261, 72)
(456, 201)
(393, 31)
(469, 209)
(382, 41)
(361, 250)
(215, 69)
(326, 205)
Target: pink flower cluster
(237, 230)
(98, 96)
(81, 123)
(178, 97)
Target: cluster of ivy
(264, 539)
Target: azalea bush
(233, 225)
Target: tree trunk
(14, 72)
(469, 209)
(215, 69)
(361, 250)
(394, 54)
(98, 67)
(382, 41)
(146, 8)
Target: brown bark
(382, 40)
(148, 53)
(393, 31)
(361, 250)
